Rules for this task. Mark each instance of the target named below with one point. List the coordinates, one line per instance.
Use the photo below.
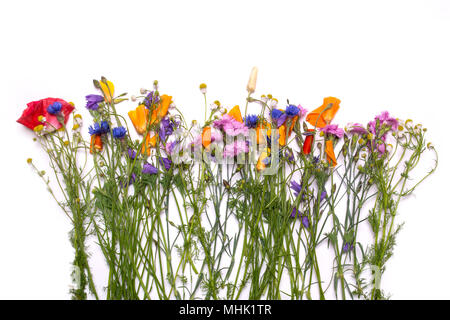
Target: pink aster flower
(302, 113)
(235, 148)
(333, 129)
(231, 126)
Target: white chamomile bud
(143, 91)
(203, 88)
(264, 98)
(274, 103)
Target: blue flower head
(292, 110)
(104, 127)
(276, 113)
(54, 108)
(94, 129)
(251, 121)
(119, 132)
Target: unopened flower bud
(251, 85)
(143, 91)
(203, 88)
(155, 84)
(133, 98)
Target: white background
(373, 55)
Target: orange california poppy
(96, 143)
(320, 118)
(139, 118)
(108, 90)
(260, 137)
(236, 114)
(329, 150)
(206, 137)
(161, 110)
(260, 165)
(150, 142)
(282, 130)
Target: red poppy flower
(35, 109)
(307, 144)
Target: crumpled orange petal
(139, 118)
(150, 142)
(329, 150)
(320, 118)
(96, 143)
(108, 90)
(235, 113)
(206, 137)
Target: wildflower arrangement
(241, 206)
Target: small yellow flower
(361, 141)
(217, 103)
(369, 136)
(77, 116)
(38, 128)
(321, 133)
(41, 119)
(76, 126)
(29, 160)
(66, 143)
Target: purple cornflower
(119, 132)
(149, 169)
(333, 129)
(296, 187)
(92, 101)
(54, 108)
(251, 121)
(166, 162)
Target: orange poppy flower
(161, 110)
(282, 131)
(139, 118)
(236, 114)
(260, 165)
(96, 143)
(321, 117)
(260, 137)
(329, 150)
(150, 142)
(206, 137)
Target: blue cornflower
(94, 129)
(119, 132)
(276, 113)
(251, 121)
(99, 128)
(292, 110)
(104, 127)
(54, 108)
